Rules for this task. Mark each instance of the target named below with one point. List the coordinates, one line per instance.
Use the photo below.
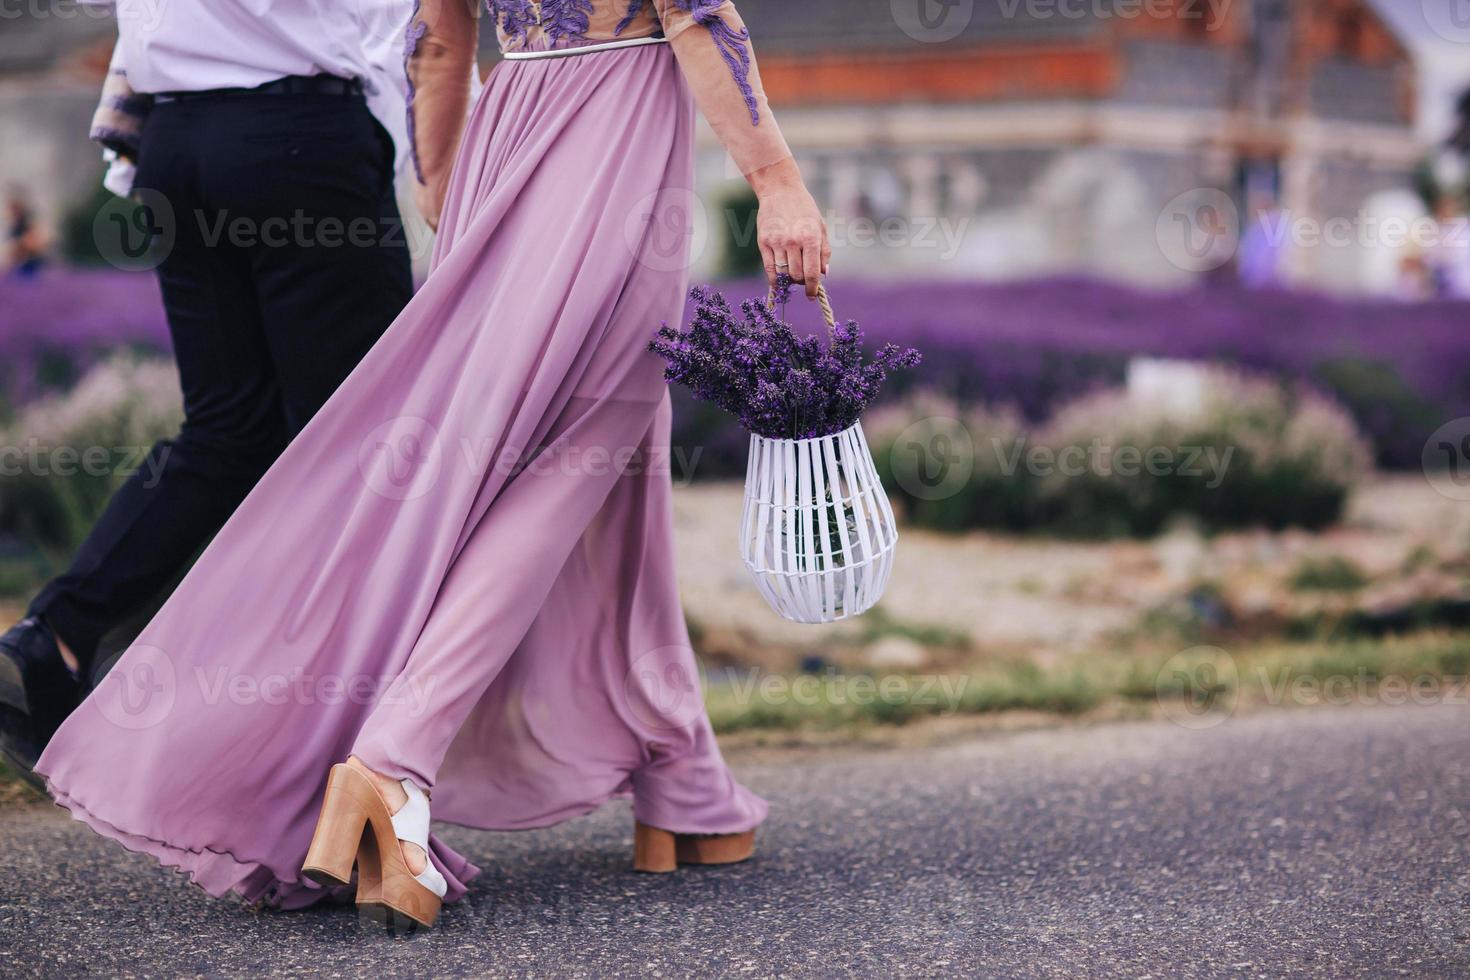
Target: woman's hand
(430, 202)
(790, 229)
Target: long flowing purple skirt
(462, 570)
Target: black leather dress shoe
(37, 692)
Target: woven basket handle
(822, 299)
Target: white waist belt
(584, 49)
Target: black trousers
(288, 261)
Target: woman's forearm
(439, 55)
(714, 51)
(783, 175)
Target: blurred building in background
(52, 62)
(1007, 138)
(991, 138)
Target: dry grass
(1006, 598)
(1196, 685)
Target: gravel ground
(1039, 596)
(1308, 842)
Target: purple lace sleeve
(515, 17)
(416, 31)
(635, 7)
(734, 46)
(566, 18)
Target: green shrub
(63, 457)
(950, 468)
(77, 232)
(1399, 417)
(1455, 662)
(1248, 453)
(18, 578)
(1333, 573)
(735, 224)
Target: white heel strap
(411, 824)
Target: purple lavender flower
(777, 384)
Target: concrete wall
(43, 130)
(1003, 192)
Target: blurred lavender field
(53, 327)
(1401, 369)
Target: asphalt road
(1309, 842)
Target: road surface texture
(1306, 842)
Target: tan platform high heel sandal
(355, 827)
(658, 851)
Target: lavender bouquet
(780, 386)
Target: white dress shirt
(193, 45)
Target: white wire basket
(817, 531)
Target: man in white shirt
(252, 124)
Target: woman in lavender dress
(460, 576)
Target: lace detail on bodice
(514, 19)
(708, 38)
(566, 19)
(635, 7)
(529, 25)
